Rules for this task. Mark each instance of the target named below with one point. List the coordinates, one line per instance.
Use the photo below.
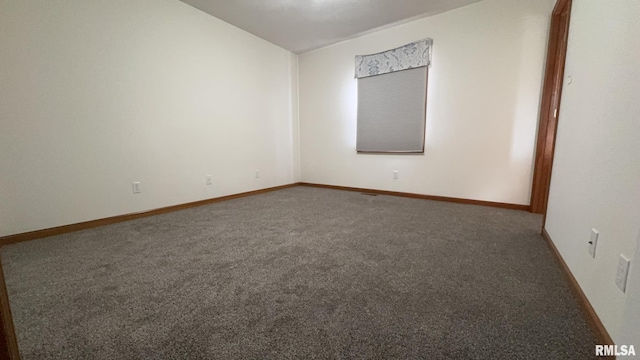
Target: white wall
(97, 94)
(630, 329)
(596, 169)
(482, 107)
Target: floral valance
(416, 54)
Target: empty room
(319, 179)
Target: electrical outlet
(593, 242)
(209, 179)
(622, 272)
(257, 174)
(395, 174)
(135, 186)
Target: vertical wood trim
(555, 105)
(8, 342)
(544, 119)
(551, 94)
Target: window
(392, 96)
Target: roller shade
(392, 92)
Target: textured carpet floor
(299, 273)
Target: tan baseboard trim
(32, 235)
(425, 197)
(590, 314)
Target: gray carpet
(301, 273)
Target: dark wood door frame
(8, 343)
(550, 105)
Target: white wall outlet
(622, 272)
(257, 174)
(395, 174)
(135, 187)
(593, 242)
(209, 179)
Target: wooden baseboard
(424, 197)
(590, 314)
(32, 235)
(9, 345)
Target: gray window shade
(392, 111)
